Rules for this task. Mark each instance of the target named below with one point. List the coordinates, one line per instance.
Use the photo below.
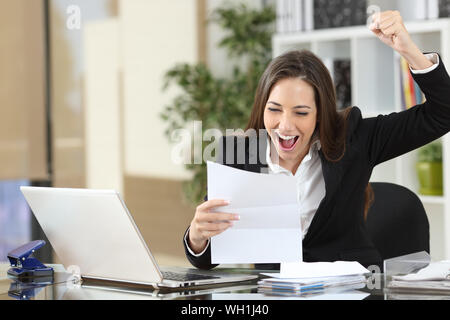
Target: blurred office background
(81, 97)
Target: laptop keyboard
(185, 276)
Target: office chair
(397, 222)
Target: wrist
(196, 246)
(416, 59)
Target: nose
(286, 124)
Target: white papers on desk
(326, 295)
(306, 278)
(306, 270)
(434, 271)
(434, 277)
(269, 229)
(274, 286)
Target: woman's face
(290, 119)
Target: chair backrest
(397, 222)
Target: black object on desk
(25, 266)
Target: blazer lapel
(332, 174)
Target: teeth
(285, 137)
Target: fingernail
(237, 217)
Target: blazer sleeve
(202, 261)
(388, 136)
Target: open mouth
(287, 143)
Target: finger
(376, 17)
(213, 227)
(216, 216)
(209, 235)
(381, 18)
(374, 29)
(392, 30)
(212, 204)
(386, 15)
(380, 24)
(387, 23)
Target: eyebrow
(296, 107)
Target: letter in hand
(207, 223)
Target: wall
(126, 149)
(123, 96)
(103, 114)
(155, 35)
(23, 151)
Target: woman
(331, 154)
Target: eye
(302, 113)
(274, 110)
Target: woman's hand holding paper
(207, 223)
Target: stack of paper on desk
(311, 285)
(315, 277)
(434, 277)
(269, 229)
(302, 270)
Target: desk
(61, 289)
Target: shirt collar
(276, 168)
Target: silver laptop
(92, 231)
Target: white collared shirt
(310, 182)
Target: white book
(286, 22)
(294, 15)
(291, 17)
(413, 9)
(328, 62)
(280, 16)
(298, 15)
(433, 9)
(308, 15)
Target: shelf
(344, 33)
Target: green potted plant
(429, 169)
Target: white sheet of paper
(346, 295)
(269, 229)
(434, 271)
(292, 270)
(307, 281)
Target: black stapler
(22, 265)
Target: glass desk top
(62, 287)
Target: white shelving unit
(376, 90)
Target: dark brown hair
(331, 123)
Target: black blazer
(338, 230)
